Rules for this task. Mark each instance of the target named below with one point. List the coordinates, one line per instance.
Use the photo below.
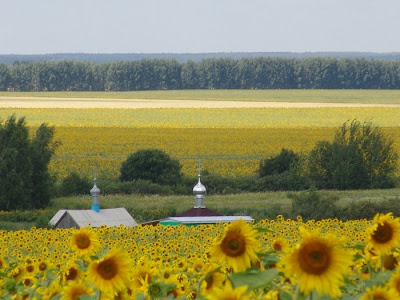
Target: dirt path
(40, 102)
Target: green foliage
(367, 209)
(360, 157)
(24, 179)
(5, 77)
(137, 187)
(209, 73)
(313, 205)
(74, 184)
(153, 165)
(143, 215)
(42, 221)
(278, 164)
(41, 150)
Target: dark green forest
(210, 73)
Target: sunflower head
(85, 242)
(317, 263)
(378, 293)
(238, 246)
(394, 284)
(76, 289)
(279, 244)
(230, 293)
(111, 273)
(384, 234)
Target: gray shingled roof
(108, 216)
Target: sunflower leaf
(379, 279)
(285, 296)
(262, 230)
(254, 279)
(356, 246)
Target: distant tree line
(211, 73)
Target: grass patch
(258, 205)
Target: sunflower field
(229, 141)
(272, 259)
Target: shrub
(153, 165)
(313, 205)
(142, 187)
(278, 164)
(360, 157)
(74, 184)
(143, 215)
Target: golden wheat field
(230, 141)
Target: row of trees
(213, 73)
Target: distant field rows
(230, 141)
(208, 118)
(226, 151)
(306, 96)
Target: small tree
(153, 165)
(278, 164)
(359, 157)
(74, 184)
(24, 179)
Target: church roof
(88, 217)
(199, 212)
(204, 220)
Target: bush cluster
(318, 205)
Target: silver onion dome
(199, 191)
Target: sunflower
(142, 276)
(279, 244)
(384, 235)
(3, 263)
(71, 272)
(48, 293)
(377, 293)
(317, 263)
(111, 273)
(390, 262)
(229, 293)
(237, 247)
(394, 284)
(213, 280)
(85, 242)
(74, 290)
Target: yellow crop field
(230, 141)
(271, 259)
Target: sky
(198, 26)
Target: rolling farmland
(230, 140)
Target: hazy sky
(193, 26)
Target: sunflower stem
(381, 264)
(296, 292)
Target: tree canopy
(360, 157)
(153, 165)
(210, 73)
(25, 182)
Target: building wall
(67, 222)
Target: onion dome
(199, 191)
